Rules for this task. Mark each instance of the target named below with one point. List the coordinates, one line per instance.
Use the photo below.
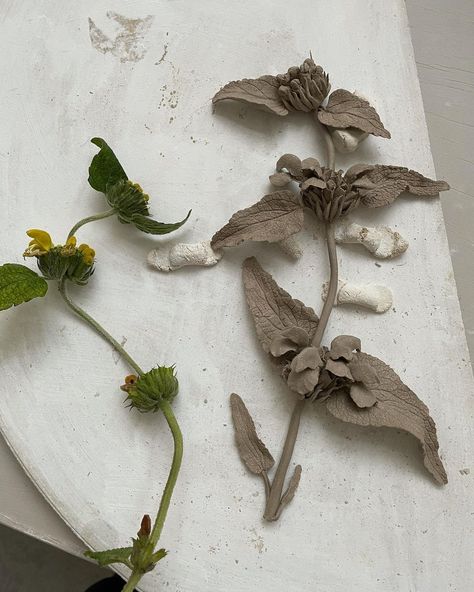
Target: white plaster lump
(182, 254)
(381, 241)
(202, 254)
(372, 296)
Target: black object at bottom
(113, 584)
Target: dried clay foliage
(354, 386)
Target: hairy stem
(97, 327)
(273, 502)
(331, 150)
(133, 580)
(332, 290)
(273, 508)
(93, 218)
(173, 474)
(137, 575)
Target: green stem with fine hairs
(93, 218)
(97, 327)
(173, 425)
(137, 575)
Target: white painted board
(366, 515)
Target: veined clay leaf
(292, 487)
(272, 308)
(396, 407)
(19, 284)
(105, 169)
(345, 109)
(150, 226)
(275, 217)
(104, 558)
(261, 92)
(380, 185)
(252, 450)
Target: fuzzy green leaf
(104, 558)
(151, 226)
(105, 169)
(159, 555)
(19, 284)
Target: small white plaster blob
(381, 241)
(182, 254)
(372, 296)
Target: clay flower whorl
(347, 116)
(316, 372)
(331, 194)
(303, 88)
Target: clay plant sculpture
(151, 391)
(354, 386)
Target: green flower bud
(128, 199)
(61, 261)
(148, 391)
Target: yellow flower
(70, 247)
(40, 244)
(88, 254)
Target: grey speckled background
(443, 38)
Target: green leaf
(19, 284)
(151, 226)
(159, 555)
(105, 169)
(104, 558)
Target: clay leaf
(292, 487)
(275, 217)
(380, 185)
(397, 407)
(345, 109)
(273, 310)
(252, 450)
(261, 92)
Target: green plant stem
(93, 218)
(137, 575)
(97, 327)
(173, 474)
(133, 580)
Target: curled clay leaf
(380, 185)
(261, 92)
(272, 308)
(252, 450)
(292, 487)
(275, 217)
(342, 346)
(396, 407)
(279, 179)
(356, 171)
(292, 164)
(362, 396)
(345, 109)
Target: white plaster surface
(366, 515)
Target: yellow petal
(71, 241)
(41, 238)
(88, 253)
